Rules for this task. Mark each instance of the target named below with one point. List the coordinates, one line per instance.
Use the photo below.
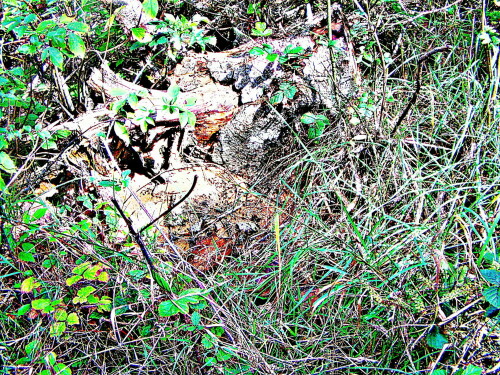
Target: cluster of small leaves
(317, 124)
(287, 90)
(43, 35)
(173, 33)
(186, 301)
(289, 54)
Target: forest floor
(356, 232)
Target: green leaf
(257, 51)
(493, 276)
(79, 27)
(73, 279)
(76, 45)
(61, 369)
(40, 304)
(27, 246)
(439, 372)
(182, 305)
(50, 359)
(316, 130)
(210, 361)
(260, 26)
(103, 277)
(118, 91)
(223, 355)
(308, 118)
(26, 257)
(272, 57)
(56, 57)
(150, 7)
(207, 341)
(91, 272)
(187, 118)
(29, 284)
(44, 25)
(492, 295)
(472, 370)
(167, 308)
(436, 339)
(6, 163)
(139, 33)
(72, 319)
(277, 98)
(23, 309)
(60, 315)
(173, 93)
(86, 291)
(32, 347)
(39, 214)
(196, 318)
(80, 269)
(121, 132)
(288, 90)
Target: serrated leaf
(26, 257)
(40, 304)
(196, 318)
(80, 269)
(6, 163)
(60, 315)
(79, 27)
(29, 284)
(472, 370)
(86, 291)
(91, 272)
(493, 276)
(492, 295)
(150, 7)
(308, 118)
(182, 304)
(138, 33)
(32, 347)
(435, 339)
(73, 279)
(76, 45)
(277, 98)
(121, 132)
(57, 329)
(167, 308)
(103, 277)
(207, 341)
(72, 319)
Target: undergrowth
(382, 256)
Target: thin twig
(418, 83)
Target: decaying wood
(236, 133)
